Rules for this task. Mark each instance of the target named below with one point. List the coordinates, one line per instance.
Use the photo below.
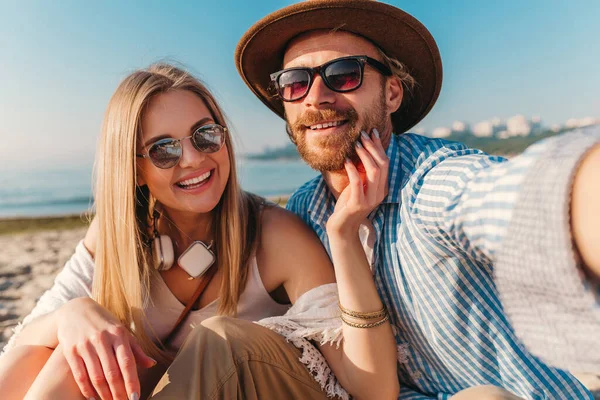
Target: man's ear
(394, 94)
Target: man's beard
(328, 152)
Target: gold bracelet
(363, 315)
(367, 325)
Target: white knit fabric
(316, 316)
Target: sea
(53, 191)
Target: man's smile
(325, 125)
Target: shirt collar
(394, 172)
(322, 203)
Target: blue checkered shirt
(460, 230)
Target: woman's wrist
(69, 308)
(345, 232)
(345, 244)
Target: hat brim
(261, 50)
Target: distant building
(441, 132)
(518, 126)
(460, 127)
(515, 126)
(483, 129)
(536, 125)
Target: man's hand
(585, 211)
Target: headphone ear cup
(163, 253)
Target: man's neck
(337, 181)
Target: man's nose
(190, 157)
(319, 94)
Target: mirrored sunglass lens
(165, 154)
(293, 84)
(209, 139)
(343, 75)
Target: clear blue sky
(60, 62)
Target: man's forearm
(585, 212)
(538, 271)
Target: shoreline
(23, 224)
(18, 225)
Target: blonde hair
(123, 261)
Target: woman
(166, 190)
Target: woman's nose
(190, 157)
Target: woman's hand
(101, 352)
(360, 197)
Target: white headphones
(162, 250)
(195, 260)
(163, 254)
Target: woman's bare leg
(19, 367)
(55, 381)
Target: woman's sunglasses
(166, 153)
(340, 75)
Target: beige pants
(227, 358)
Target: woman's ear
(394, 94)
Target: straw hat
(260, 51)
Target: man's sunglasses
(340, 75)
(166, 153)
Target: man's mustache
(313, 117)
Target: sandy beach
(30, 260)
(28, 264)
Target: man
(458, 228)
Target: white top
(75, 280)
(254, 304)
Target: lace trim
(311, 356)
(12, 341)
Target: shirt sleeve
(75, 280)
(554, 309)
(515, 216)
(298, 204)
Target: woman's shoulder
(279, 224)
(285, 236)
(290, 253)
